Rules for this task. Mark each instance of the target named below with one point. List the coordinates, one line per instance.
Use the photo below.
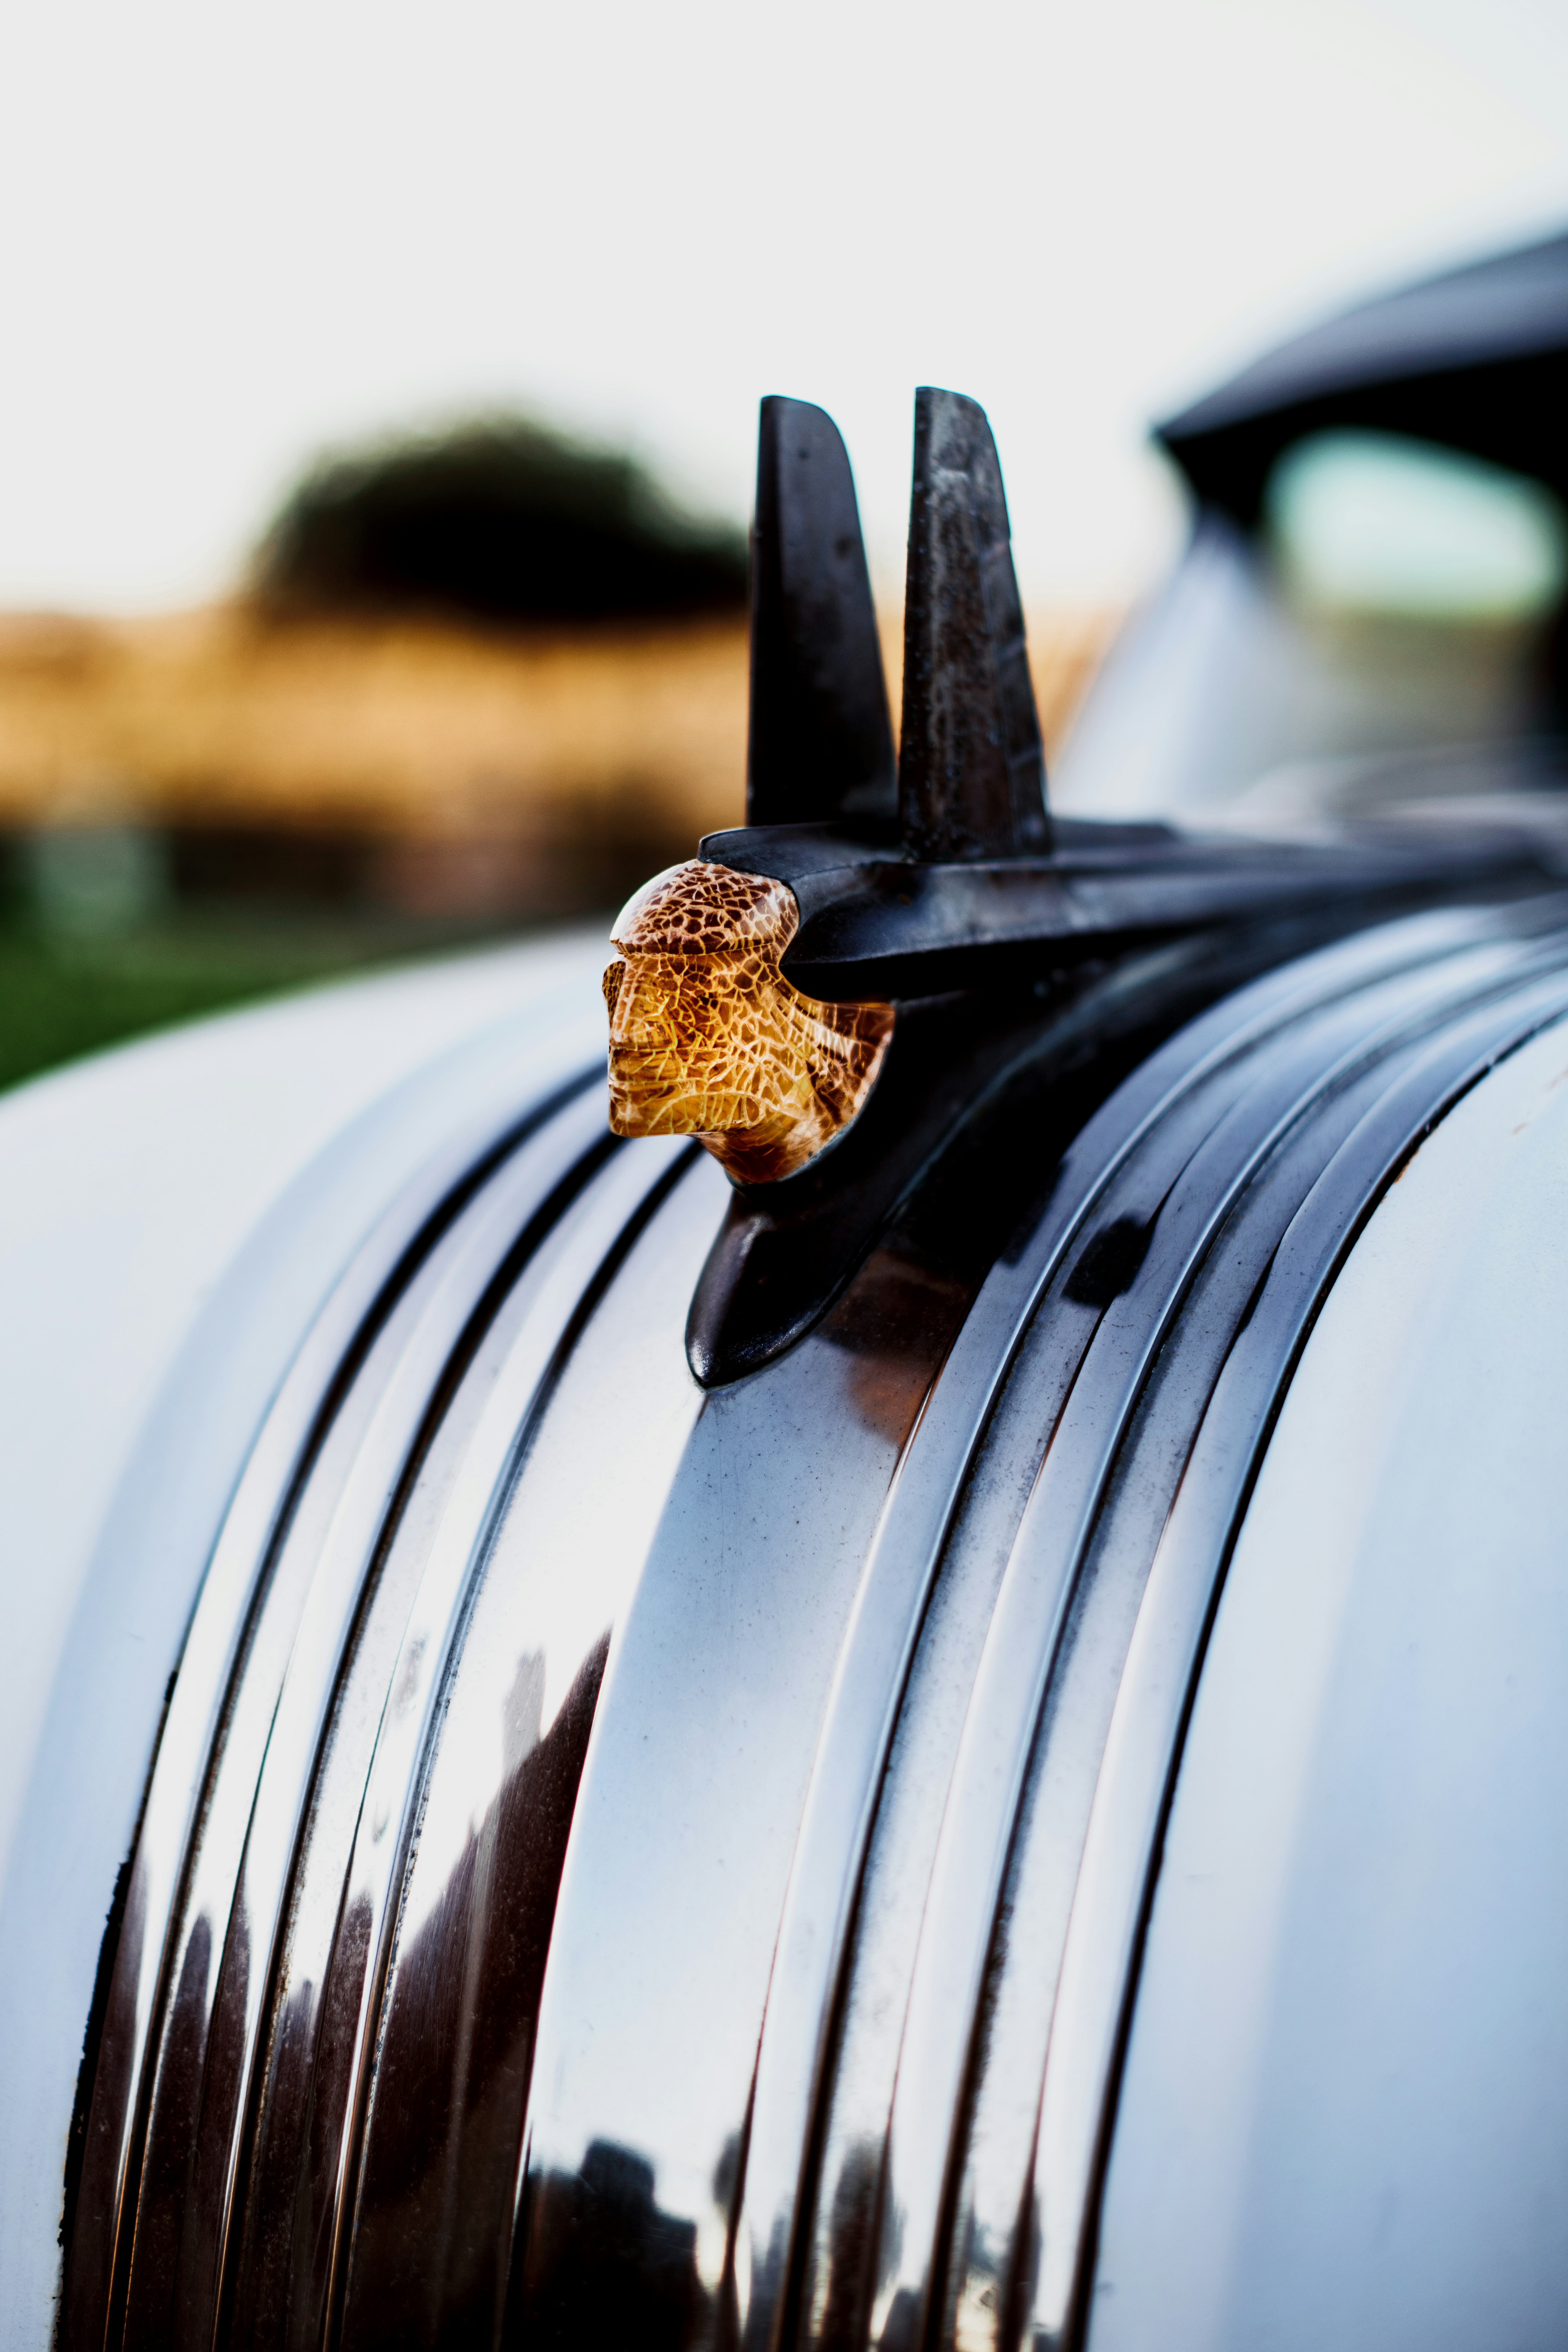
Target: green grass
(63, 995)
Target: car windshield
(1392, 628)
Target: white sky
(231, 234)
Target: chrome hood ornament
(856, 965)
(709, 1036)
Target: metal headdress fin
(821, 747)
(971, 776)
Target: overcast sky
(230, 235)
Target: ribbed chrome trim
(254, 1774)
(899, 2079)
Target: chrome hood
(628, 1863)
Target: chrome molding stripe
(899, 1578)
(452, 2004)
(149, 2256)
(1294, 1272)
(1282, 1040)
(820, 2123)
(1087, 1836)
(260, 1773)
(1232, 1344)
(283, 1447)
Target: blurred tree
(497, 519)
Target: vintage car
(913, 1693)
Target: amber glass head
(709, 1038)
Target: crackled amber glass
(709, 1038)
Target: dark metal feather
(971, 777)
(820, 746)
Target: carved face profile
(709, 1038)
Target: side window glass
(1374, 524)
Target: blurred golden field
(485, 774)
(199, 808)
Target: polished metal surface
(628, 1863)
